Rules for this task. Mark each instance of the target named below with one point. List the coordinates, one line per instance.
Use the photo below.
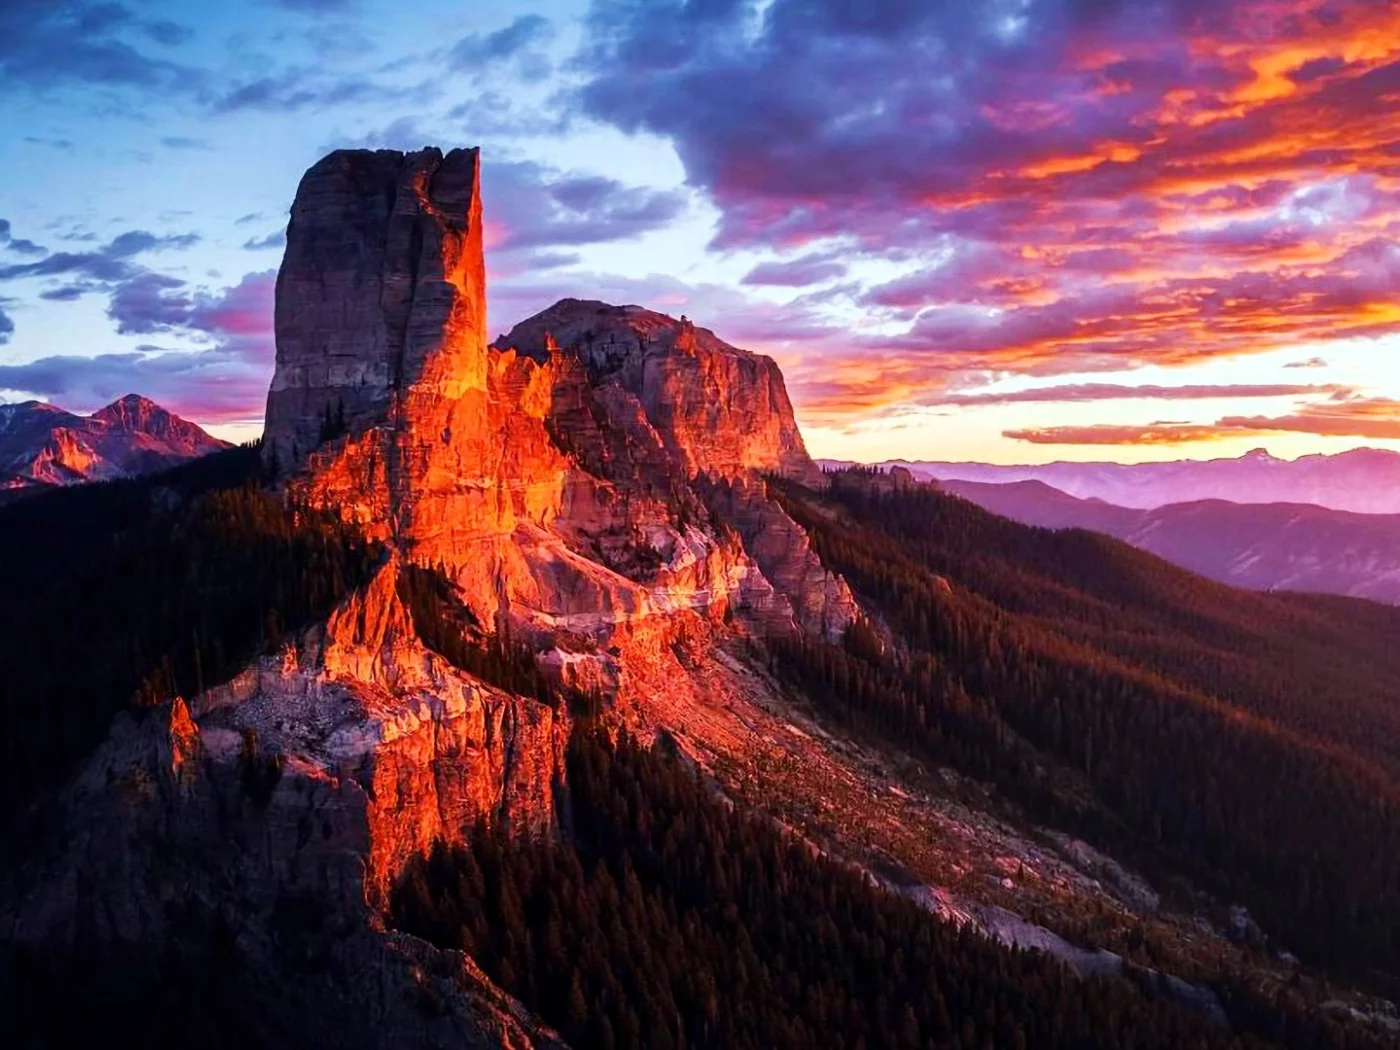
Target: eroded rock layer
(717, 409)
(594, 486)
(559, 477)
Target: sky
(999, 230)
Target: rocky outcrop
(819, 601)
(277, 810)
(718, 409)
(554, 476)
(42, 446)
(595, 487)
(381, 353)
(380, 290)
(432, 749)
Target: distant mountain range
(42, 445)
(1364, 480)
(1269, 546)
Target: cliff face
(380, 292)
(380, 337)
(593, 487)
(718, 409)
(556, 477)
(253, 835)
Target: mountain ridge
(42, 445)
(416, 628)
(1361, 480)
(1262, 546)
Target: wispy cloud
(1076, 187)
(275, 239)
(104, 45)
(476, 51)
(1080, 392)
(1376, 418)
(222, 377)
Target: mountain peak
(604, 436)
(43, 445)
(136, 400)
(381, 298)
(395, 342)
(605, 332)
(14, 407)
(140, 415)
(132, 411)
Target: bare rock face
(362, 701)
(718, 409)
(277, 810)
(595, 487)
(820, 602)
(385, 401)
(380, 292)
(553, 476)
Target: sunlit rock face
(717, 409)
(554, 475)
(429, 748)
(380, 292)
(594, 485)
(381, 339)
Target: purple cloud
(531, 206)
(224, 381)
(149, 302)
(796, 273)
(112, 262)
(43, 45)
(276, 239)
(1080, 392)
(479, 50)
(66, 293)
(1069, 185)
(300, 89)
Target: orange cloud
(1376, 418)
(1159, 184)
(1113, 434)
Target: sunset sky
(1005, 230)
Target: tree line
(123, 594)
(1021, 655)
(663, 917)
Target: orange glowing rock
(565, 478)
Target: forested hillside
(664, 918)
(1247, 741)
(123, 594)
(1261, 546)
(1244, 742)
